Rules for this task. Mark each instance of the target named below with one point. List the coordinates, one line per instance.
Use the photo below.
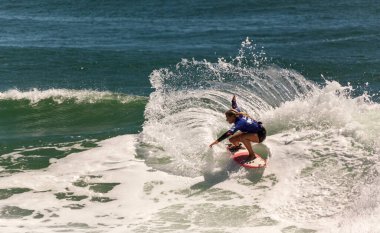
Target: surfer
(250, 130)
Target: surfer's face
(230, 119)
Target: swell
(36, 114)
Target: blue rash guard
(242, 123)
(245, 125)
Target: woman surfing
(250, 130)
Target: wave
(331, 107)
(61, 95)
(334, 135)
(323, 138)
(53, 112)
(185, 112)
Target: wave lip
(60, 95)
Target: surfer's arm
(234, 104)
(221, 138)
(230, 132)
(224, 136)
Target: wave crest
(62, 95)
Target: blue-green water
(114, 46)
(73, 73)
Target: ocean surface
(107, 109)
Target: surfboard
(241, 155)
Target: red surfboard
(241, 155)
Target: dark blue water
(115, 45)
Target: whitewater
(322, 142)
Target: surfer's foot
(233, 148)
(249, 159)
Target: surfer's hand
(216, 142)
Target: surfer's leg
(235, 139)
(246, 139)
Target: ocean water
(107, 109)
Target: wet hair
(233, 112)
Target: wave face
(55, 114)
(185, 113)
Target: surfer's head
(231, 115)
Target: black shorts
(262, 134)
